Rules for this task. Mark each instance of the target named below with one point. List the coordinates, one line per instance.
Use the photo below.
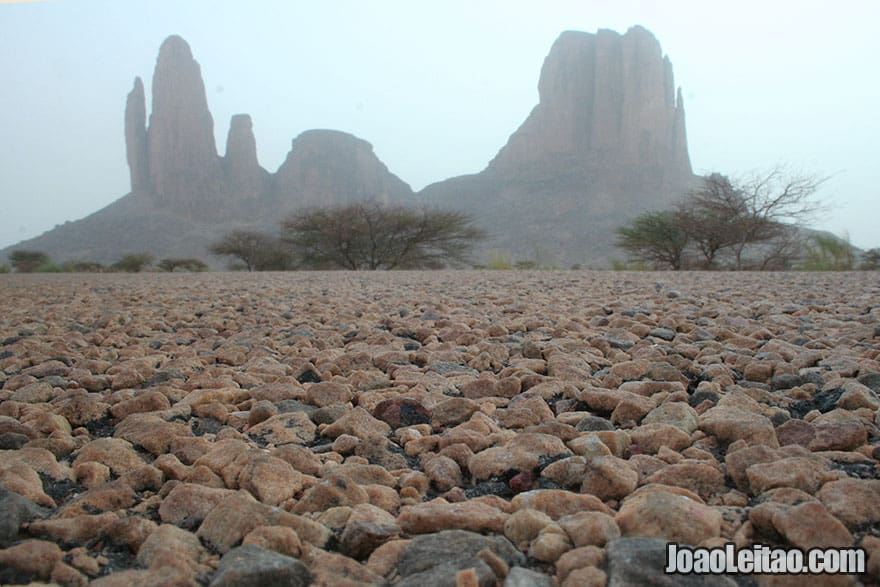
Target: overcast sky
(437, 87)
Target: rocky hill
(605, 142)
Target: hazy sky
(437, 87)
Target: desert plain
(433, 428)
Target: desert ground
(432, 428)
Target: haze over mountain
(606, 141)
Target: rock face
(605, 142)
(184, 167)
(136, 137)
(606, 102)
(327, 167)
(245, 179)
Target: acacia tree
(368, 235)
(258, 251)
(28, 261)
(765, 205)
(712, 217)
(655, 237)
(134, 263)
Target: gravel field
(433, 428)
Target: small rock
(664, 333)
(328, 393)
(590, 528)
(443, 472)
(468, 515)
(522, 453)
(557, 503)
(401, 411)
(551, 543)
(146, 401)
(32, 557)
(458, 548)
(810, 525)
(357, 422)
(730, 424)
(188, 504)
(253, 566)
(286, 428)
(524, 525)
(649, 437)
(609, 478)
(855, 502)
(234, 517)
(657, 513)
(16, 510)
(678, 414)
(797, 472)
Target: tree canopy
(369, 235)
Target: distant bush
(525, 265)
(82, 267)
(618, 265)
(28, 261)
(870, 260)
(193, 265)
(133, 263)
(4, 268)
(255, 250)
(499, 260)
(829, 253)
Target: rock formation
(326, 167)
(605, 142)
(245, 179)
(606, 102)
(136, 137)
(185, 170)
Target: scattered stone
(658, 513)
(253, 566)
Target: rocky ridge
(432, 428)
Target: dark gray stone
(664, 333)
(594, 424)
(521, 577)
(254, 566)
(871, 380)
(361, 538)
(620, 343)
(458, 547)
(641, 561)
(785, 381)
(12, 441)
(16, 510)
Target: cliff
(605, 142)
